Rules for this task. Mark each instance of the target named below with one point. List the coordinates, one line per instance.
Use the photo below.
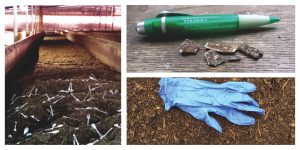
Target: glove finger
(246, 107)
(212, 122)
(235, 116)
(244, 87)
(248, 99)
(237, 97)
(201, 113)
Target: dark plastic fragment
(213, 58)
(188, 47)
(231, 58)
(251, 52)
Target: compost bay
(69, 98)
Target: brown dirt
(148, 123)
(61, 62)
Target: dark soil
(148, 123)
(61, 63)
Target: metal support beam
(15, 25)
(105, 18)
(113, 15)
(31, 8)
(16, 52)
(35, 28)
(100, 18)
(37, 19)
(41, 24)
(26, 20)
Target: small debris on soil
(221, 47)
(189, 47)
(251, 52)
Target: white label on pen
(195, 20)
(193, 24)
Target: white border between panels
(221, 75)
(152, 2)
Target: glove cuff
(162, 93)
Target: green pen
(178, 23)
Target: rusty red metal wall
(107, 51)
(17, 51)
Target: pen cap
(140, 29)
(149, 26)
(251, 21)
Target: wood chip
(267, 113)
(285, 84)
(164, 123)
(258, 129)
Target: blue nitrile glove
(190, 92)
(198, 98)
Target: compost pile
(149, 123)
(70, 98)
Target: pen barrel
(191, 24)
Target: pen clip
(167, 13)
